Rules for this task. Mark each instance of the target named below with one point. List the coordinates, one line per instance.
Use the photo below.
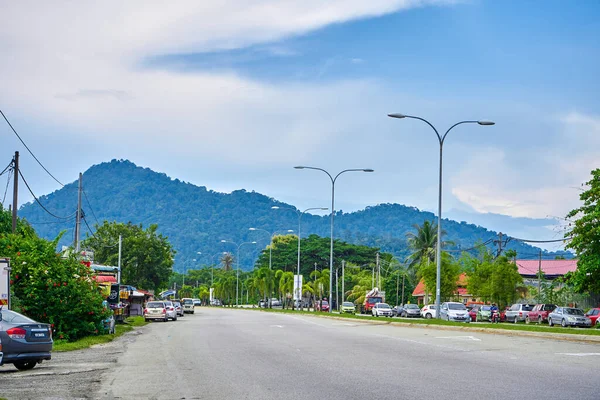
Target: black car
(25, 342)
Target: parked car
(397, 311)
(171, 311)
(275, 302)
(23, 341)
(382, 309)
(593, 315)
(567, 316)
(155, 310)
(454, 311)
(322, 305)
(178, 308)
(410, 310)
(196, 302)
(188, 305)
(428, 311)
(518, 312)
(473, 311)
(539, 313)
(484, 313)
(348, 307)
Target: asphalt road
(244, 354)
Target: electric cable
(10, 173)
(91, 209)
(39, 203)
(30, 152)
(7, 167)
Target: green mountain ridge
(196, 219)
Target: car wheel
(540, 320)
(477, 318)
(563, 323)
(550, 321)
(166, 319)
(404, 315)
(527, 320)
(25, 365)
(515, 320)
(448, 318)
(175, 319)
(428, 316)
(146, 319)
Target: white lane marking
(460, 338)
(579, 354)
(305, 320)
(276, 326)
(420, 342)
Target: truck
(372, 297)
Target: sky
(232, 95)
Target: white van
(188, 305)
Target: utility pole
(343, 292)
(397, 287)
(78, 224)
(119, 263)
(403, 276)
(499, 243)
(378, 272)
(15, 191)
(373, 278)
(540, 278)
(337, 299)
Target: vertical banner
(211, 295)
(4, 282)
(113, 297)
(297, 287)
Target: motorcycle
(495, 318)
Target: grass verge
(436, 322)
(84, 343)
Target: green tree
(423, 245)
(450, 271)
(227, 262)
(585, 238)
(147, 257)
(285, 280)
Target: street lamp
(237, 275)
(333, 179)
(299, 292)
(438, 255)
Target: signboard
(4, 282)
(211, 295)
(113, 297)
(297, 287)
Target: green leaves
(585, 240)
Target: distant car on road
(567, 316)
(518, 312)
(197, 302)
(593, 315)
(275, 302)
(382, 309)
(539, 313)
(410, 310)
(454, 311)
(24, 342)
(155, 310)
(428, 311)
(188, 305)
(347, 308)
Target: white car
(188, 305)
(428, 311)
(382, 309)
(171, 310)
(454, 311)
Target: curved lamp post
(333, 179)
(438, 255)
(300, 213)
(237, 275)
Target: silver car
(567, 316)
(518, 312)
(23, 341)
(454, 311)
(410, 310)
(156, 310)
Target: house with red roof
(461, 295)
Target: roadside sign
(4, 282)
(297, 287)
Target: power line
(40, 204)
(7, 168)
(30, 152)
(7, 184)
(91, 209)
(541, 241)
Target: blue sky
(232, 96)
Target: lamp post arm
(456, 124)
(432, 127)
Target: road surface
(247, 354)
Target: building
(461, 295)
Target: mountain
(196, 219)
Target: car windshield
(15, 318)
(187, 302)
(486, 308)
(374, 300)
(383, 305)
(528, 307)
(325, 303)
(573, 311)
(456, 306)
(411, 307)
(549, 307)
(348, 304)
(155, 304)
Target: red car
(593, 314)
(539, 313)
(323, 305)
(473, 312)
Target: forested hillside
(196, 219)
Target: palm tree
(227, 261)
(320, 284)
(423, 244)
(285, 283)
(265, 278)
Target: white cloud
(491, 183)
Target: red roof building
(461, 291)
(551, 269)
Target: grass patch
(436, 322)
(84, 343)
